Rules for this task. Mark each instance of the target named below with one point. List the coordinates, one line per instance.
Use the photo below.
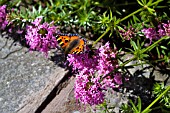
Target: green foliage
(138, 50)
(103, 108)
(159, 89)
(133, 108)
(125, 108)
(104, 19)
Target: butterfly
(71, 43)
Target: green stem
(127, 62)
(131, 14)
(120, 21)
(159, 60)
(167, 89)
(159, 107)
(107, 30)
(133, 65)
(153, 45)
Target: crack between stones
(56, 90)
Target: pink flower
(3, 14)
(41, 37)
(88, 90)
(150, 33)
(128, 33)
(166, 27)
(118, 78)
(92, 74)
(161, 31)
(105, 62)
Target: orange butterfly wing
(72, 44)
(79, 47)
(63, 41)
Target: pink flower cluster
(165, 29)
(93, 74)
(150, 34)
(3, 20)
(153, 34)
(41, 37)
(127, 34)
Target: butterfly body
(71, 43)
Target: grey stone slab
(37, 101)
(22, 73)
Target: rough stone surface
(147, 71)
(63, 103)
(21, 74)
(38, 101)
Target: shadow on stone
(141, 86)
(56, 90)
(58, 59)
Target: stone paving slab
(39, 100)
(63, 103)
(21, 74)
